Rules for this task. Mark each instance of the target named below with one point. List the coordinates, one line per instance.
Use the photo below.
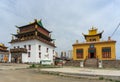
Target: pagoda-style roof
(93, 32)
(98, 34)
(33, 31)
(38, 22)
(3, 48)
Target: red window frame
(106, 52)
(79, 53)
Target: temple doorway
(16, 58)
(92, 53)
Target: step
(91, 63)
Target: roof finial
(92, 27)
(35, 20)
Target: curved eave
(45, 36)
(95, 42)
(3, 46)
(25, 25)
(98, 34)
(33, 24)
(4, 50)
(43, 28)
(23, 33)
(38, 38)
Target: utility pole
(115, 29)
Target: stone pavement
(110, 72)
(70, 71)
(75, 71)
(12, 66)
(31, 75)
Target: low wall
(111, 63)
(72, 63)
(105, 63)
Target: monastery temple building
(4, 53)
(32, 44)
(94, 47)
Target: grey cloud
(68, 19)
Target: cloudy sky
(68, 19)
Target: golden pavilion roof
(93, 32)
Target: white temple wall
(34, 52)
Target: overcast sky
(68, 19)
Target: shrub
(117, 81)
(33, 66)
(101, 78)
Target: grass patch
(110, 79)
(101, 78)
(33, 66)
(43, 66)
(46, 66)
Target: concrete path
(69, 71)
(110, 72)
(12, 66)
(29, 75)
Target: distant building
(63, 54)
(94, 47)
(32, 44)
(69, 54)
(4, 53)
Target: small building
(94, 47)
(69, 54)
(4, 53)
(32, 44)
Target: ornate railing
(16, 50)
(32, 37)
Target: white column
(9, 57)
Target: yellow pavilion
(94, 47)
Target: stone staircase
(72, 63)
(93, 62)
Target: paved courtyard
(30, 75)
(89, 71)
(19, 73)
(12, 66)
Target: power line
(115, 30)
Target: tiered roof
(33, 30)
(93, 32)
(3, 48)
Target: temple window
(18, 47)
(53, 51)
(106, 52)
(24, 46)
(79, 53)
(90, 40)
(47, 50)
(28, 54)
(39, 47)
(39, 54)
(14, 47)
(94, 39)
(29, 47)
